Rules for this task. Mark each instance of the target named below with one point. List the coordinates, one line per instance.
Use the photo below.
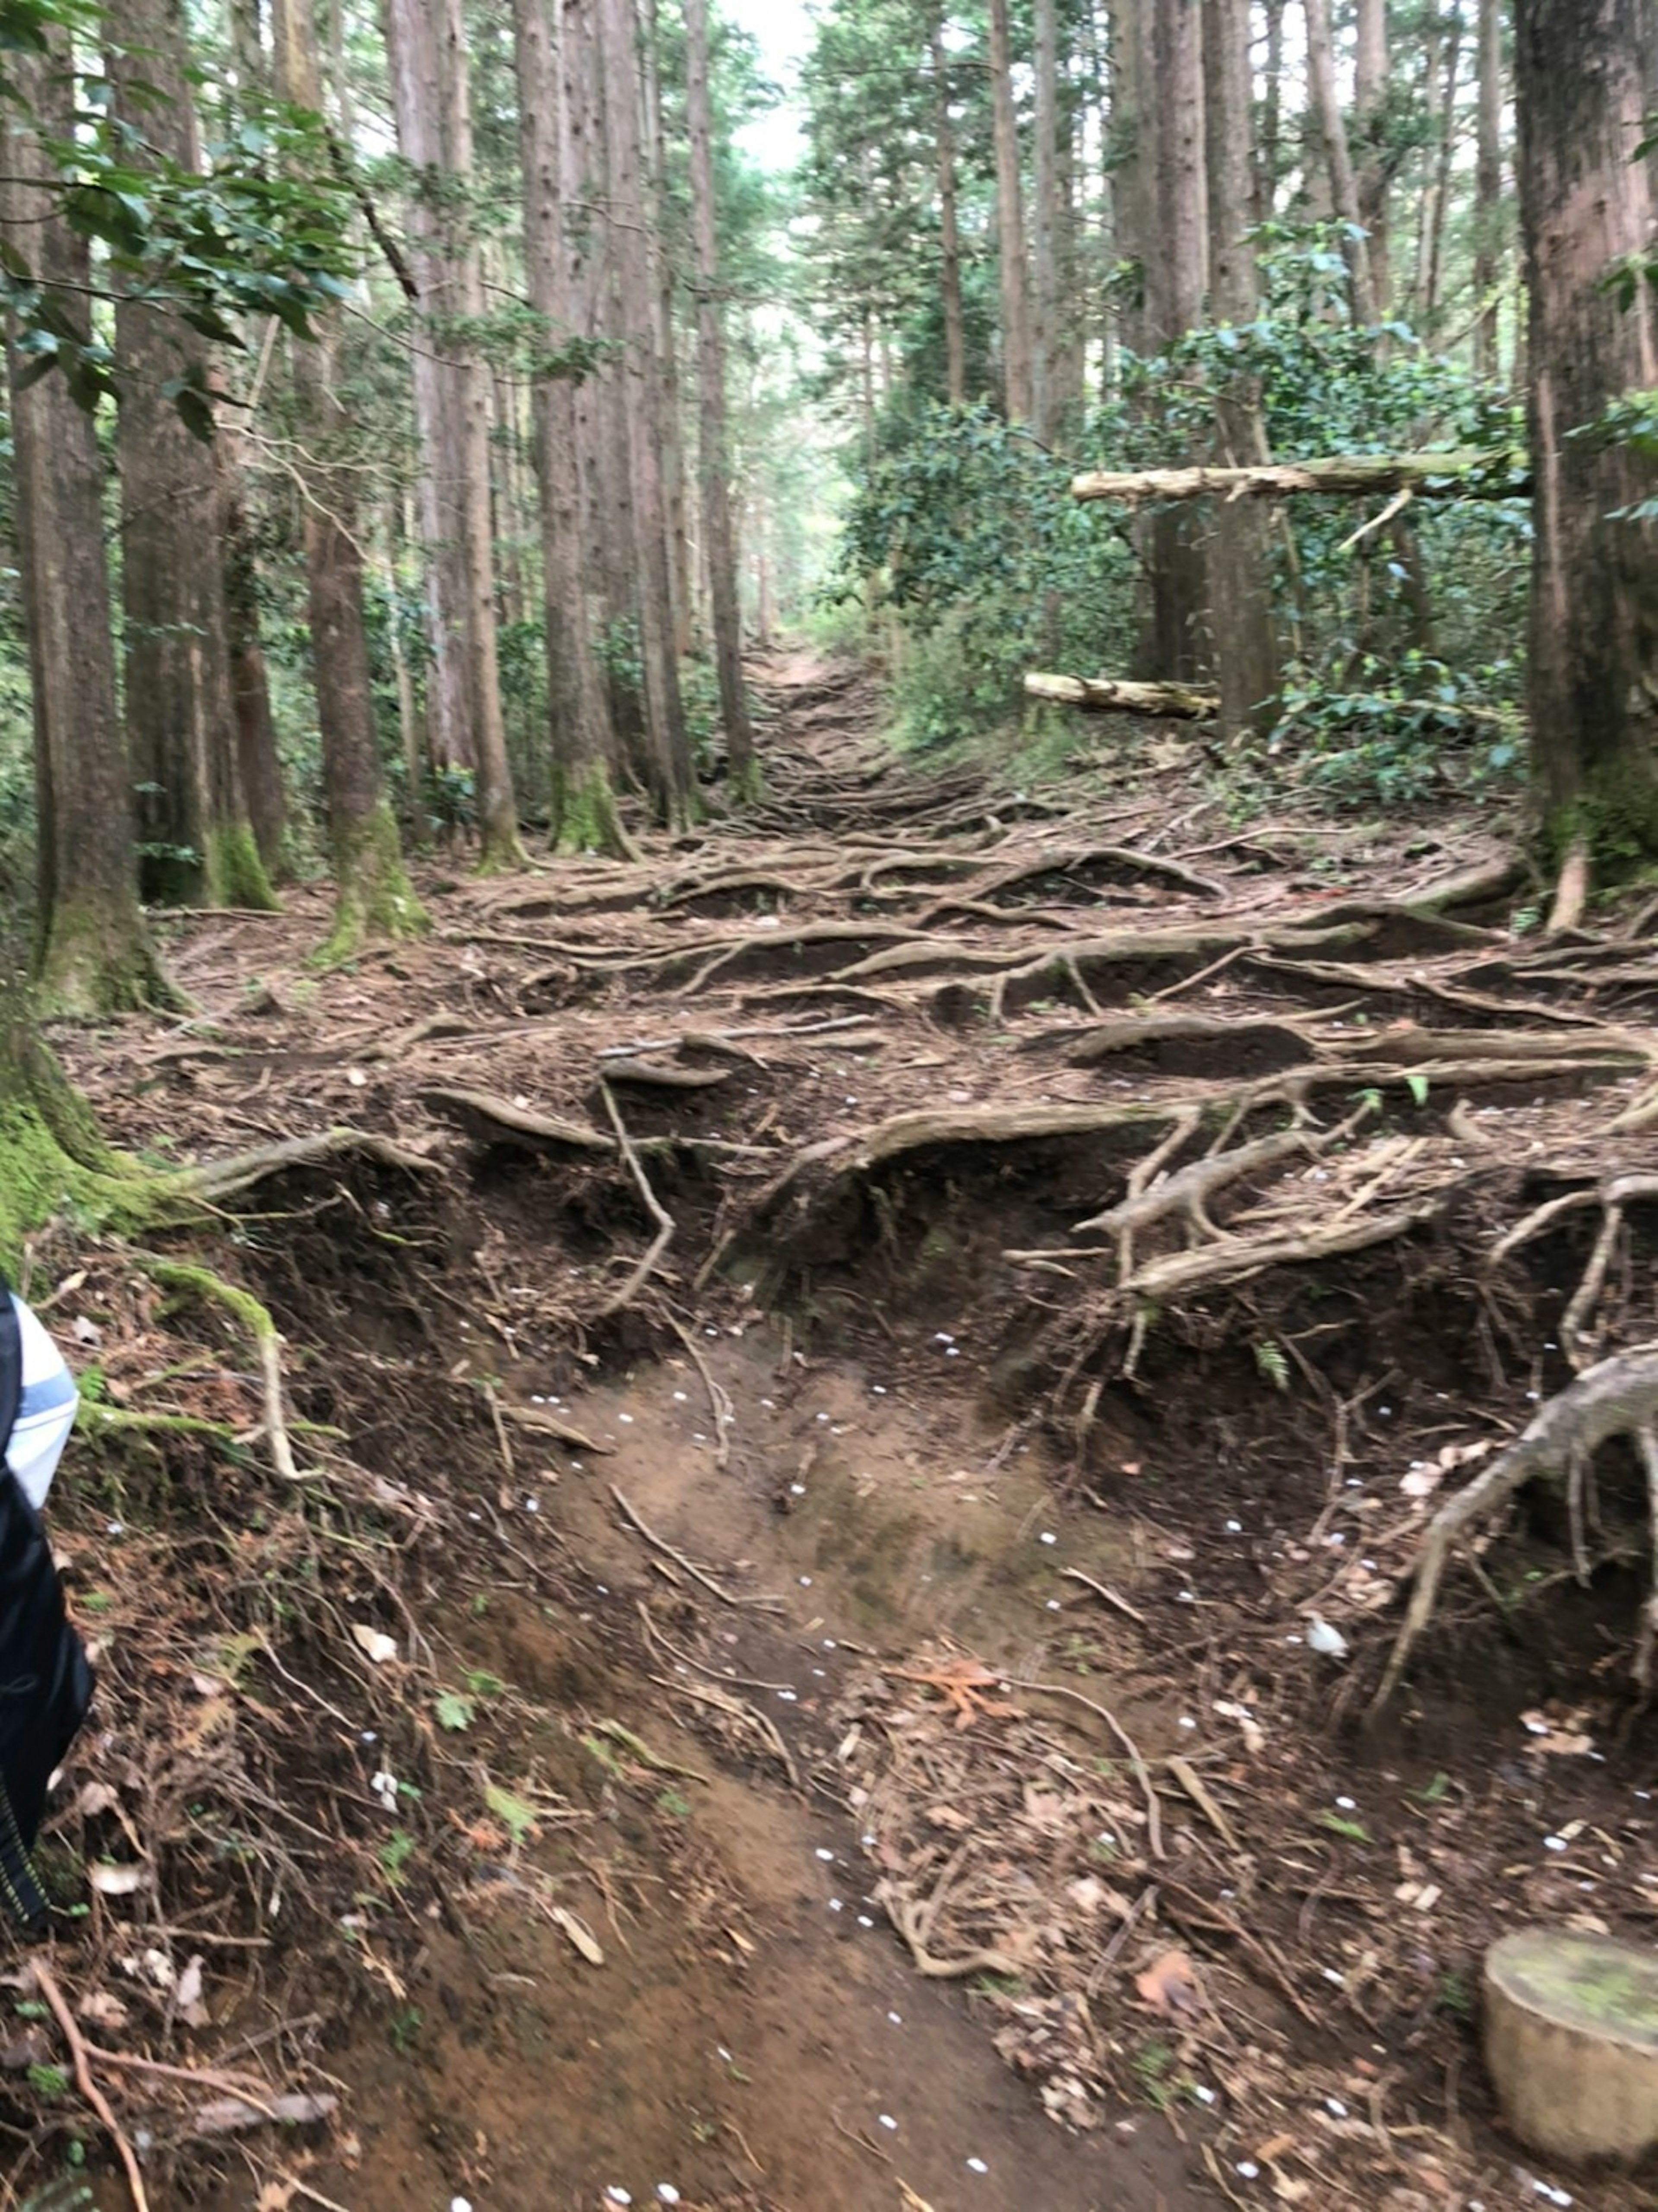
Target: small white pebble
(941, 1338)
(1235, 1527)
(864, 1920)
(835, 1906)
(786, 1697)
(1248, 2168)
(1334, 2105)
(682, 1398)
(769, 1404)
(797, 1490)
(805, 1581)
(830, 1644)
(1185, 1722)
(887, 2121)
(1346, 1804)
(1053, 1604)
(626, 1419)
(952, 1352)
(1204, 2096)
(1555, 1844)
(826, 1857)
(460, 2204)
(977, 2165)
(667, 2192)
(878, 1389)
(1334, 1974)
(532, 1505)
(897, 2019)
(1185, 1597)
(1048, 1537)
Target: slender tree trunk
(197, 842)
(1586, 208)
(1271, 164)
(1344, 190)
(657, 200)
(1135, 130)
(432, 97)
(1010, 224)
(1046, 303)
(949, 241)
(584, 803)
(718, 536)
(640, 378)
(1246, 649)
(1370, 103)
(1488, 189)
(372, 892)
(1176, 648)
(1441, 197)
(93, 954)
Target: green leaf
(1339, 1824)
(454, 1713)
(1417, 1087)
(514, 1815)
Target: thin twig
(719, 1404)
(664, 1220)
(1103, 1590)
(1153, 1813)
(688, 1566)
(89, 2088)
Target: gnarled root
(1617, 1397)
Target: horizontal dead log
(662, 1075)
(1105, 695)
(1467, 474)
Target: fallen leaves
(374, 1642)
(962, 1682)
(1170, 1985)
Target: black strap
(11, 1364)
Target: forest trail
(893, 1317)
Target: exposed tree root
(481, 1109)
(1617, 1397)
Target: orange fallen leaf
(1170, 1986)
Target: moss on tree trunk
(373, 897)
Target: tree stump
(1571, 2041)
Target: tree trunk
(372, 892)
(250, 684)
(1271, 163)
(1440, 198)
(197, 844)
(1488, 189)
(1246, 648)
(1177, 645)
(431, 94)
(584, 811)
(93, 954)
(639, 379)
(1587, 208)
(1370, 105)
(950, 241)
(1010, 224)
(1344, 191)
(718, 537)
(676, 506)
(1134, 130)
(1047, 306)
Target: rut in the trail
(1248, 1184)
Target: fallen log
(1105, 695)
(1465, 474)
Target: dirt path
(1055, 1246)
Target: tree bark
(1371, 183)
(1134, 177)
(1010, 224)
(1344, 190)
(719, 540)
(1440, 198)
(372, 892)
(640, 380)
(1272, 114)
(1177, 645)
(676, 504)
(93, 954)
(1046, 304)
(1488, 189)
(1586, 208)
(1247, 653)
(196, 843)
(949, 241)
(432, 97)
(584, 812)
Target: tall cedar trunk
(640, 381)
(1176, 648)
(950, 238)
(1586, 208)
(1047, 309)
(583, 804)
(1271, 163)
(1333, 129)
(1241, 576)
(372, 892)
(607, 514)
(92, 953)
(411, 737)
(681, 592)
(1133, 128)
(431, 92)
(1010, 224)
(197, 842)
(1370, 102)
(1488, 189)
(719, 545)
(1440, 200)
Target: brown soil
(879, 1373)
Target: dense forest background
(416, 415)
